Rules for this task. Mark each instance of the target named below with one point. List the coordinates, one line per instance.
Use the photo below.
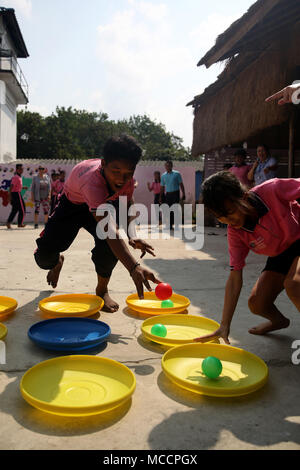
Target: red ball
(163, 291)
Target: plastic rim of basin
(71, 305)
(70, 334)
(7, 306)
(243, 372)
(181, 329)
(77, 385)
(3, 331)
(151, 305)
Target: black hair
(265, 147)
(240, 153)
(157, 173)
(170, 162)
(226, 166)
(224, 187)
(123, 147)
(19, 165)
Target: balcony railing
(10, 64)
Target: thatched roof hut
(262, 54)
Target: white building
(13, 86)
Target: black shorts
(61, 230)
(283, 262)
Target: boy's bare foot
(109, 304)
(8, 226)
(269, 326)
(53, 274)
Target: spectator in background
(40, 194)
(264, 168)
(241, 168)
(171, 183)
(15, 198)
(57, 187)
(156, 187)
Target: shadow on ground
(267, 417)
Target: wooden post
(291, 144)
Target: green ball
(212, 367)
(159, 330)
(167, 304)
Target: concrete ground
(160, 416)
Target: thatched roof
(263, 56)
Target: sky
(122, 57)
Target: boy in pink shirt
(15, 198)
(90, 184)
(266, 220)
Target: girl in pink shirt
(155, 186)
(266, 220)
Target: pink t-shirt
(57, 187)
(16, 184)
(86, 184)
(155, 187)
(241, 173)
(276, 230)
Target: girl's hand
(222, 332)
(140, 277)
(139, 244)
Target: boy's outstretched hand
(222, 332)
(139, 244)
(141, 278)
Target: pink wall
(143, 174)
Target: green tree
(78, 134)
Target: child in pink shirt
(91, 184)
(16, 199)
(155, 187)
(57, 187)
(265, 220)
(241, 168)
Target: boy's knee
(292, 288)
(104, 260)
(46, 260)
(255, 304)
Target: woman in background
(264, 168)
(40, 194)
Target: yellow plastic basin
(151, 305)
(181, 329)
(242, 373)
(71, 305)
(77, 385)
(3, 331)
(7, 306)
